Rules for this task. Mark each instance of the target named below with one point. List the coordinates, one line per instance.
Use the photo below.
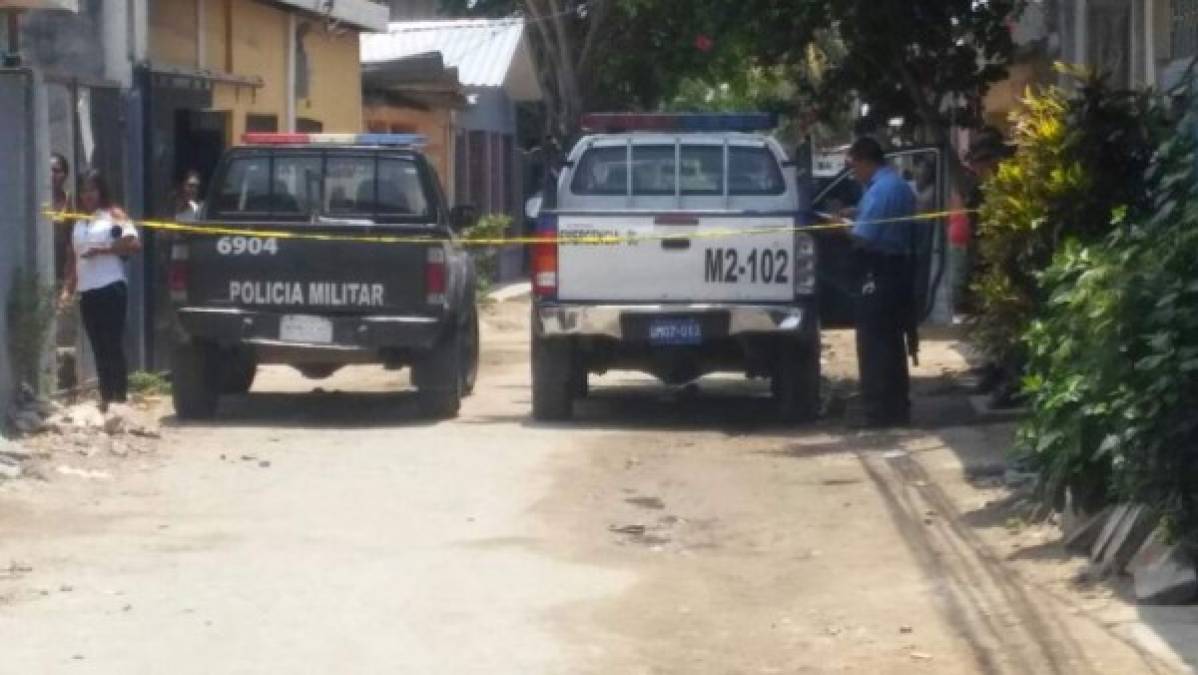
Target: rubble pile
(47, 429)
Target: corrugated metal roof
(483, 51)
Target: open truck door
(926, 171)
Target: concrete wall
(22, 109)
(490, 110)
(336, 84)
(435, 125)
(101, 42)
(259, 48)
(172, 32)
(252, 39)
(66, 43)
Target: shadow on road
(734, 408)
(329, 410)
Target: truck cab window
(245, 189)
(401, 191)
(653, 170)
(753, 172)
(702, 170)
(296, 186)
(602, 171)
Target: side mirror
(463, 217)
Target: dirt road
(663, 532)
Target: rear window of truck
(294, 186)
(690, 170)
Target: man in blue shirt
(883, 232)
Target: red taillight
(177, 273)
(544, 261)
(434, 277)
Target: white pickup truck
(711, 271)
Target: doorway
(201, 136)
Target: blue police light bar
(395, 140)
(683, 123)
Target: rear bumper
(366, 333)
(627, 322)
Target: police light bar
(397, 140)
(685, 122)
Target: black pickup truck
(305, 285)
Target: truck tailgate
(679, 258)
(297, 275)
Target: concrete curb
(1127, 539)
(513, 291)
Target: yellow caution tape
(568, 240)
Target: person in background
(60, 202)
(96, 270)
(187, 199)
(987, 150)
(60, 171)
(882, 234)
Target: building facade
(216, 69)
(148, 89)
(475, 145)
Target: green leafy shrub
(1112, 375)
(1079, 157)
(148, 384)
(486, 258)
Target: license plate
(306, 329)
(675, 332)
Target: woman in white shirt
(96, 270)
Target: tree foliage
(929, 62)
(1080, 158)
(1113, 370)
(597, 55)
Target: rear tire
(196, 379)
(471, 346)
(439, 404)
(796, 382)
(238, 371)
(439, 378)
(554, 381)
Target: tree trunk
(562, 61)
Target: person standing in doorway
(882, 234)
(60, 203)
(96, 270)
(187, 200)
(60, 171)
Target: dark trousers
(883, 311)
(103, 312)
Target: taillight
(544, 259)
(177, 273)
(804, 269)
(434, 277)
